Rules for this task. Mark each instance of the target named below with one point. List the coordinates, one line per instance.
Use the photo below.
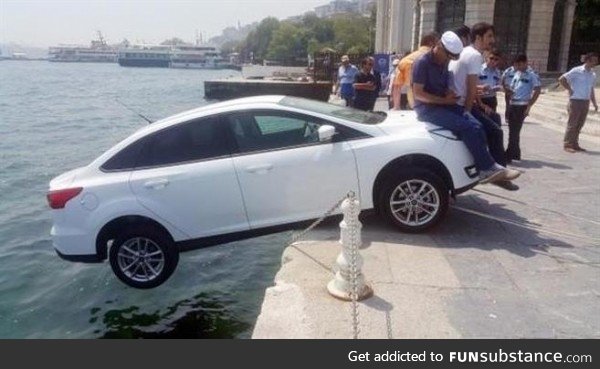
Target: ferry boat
(98, 52)
(195, 57)
(145, 56)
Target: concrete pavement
(532, 271)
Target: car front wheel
(143, 257)
(414, 200)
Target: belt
(519, 102)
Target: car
(246, 167)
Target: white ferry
(98, 52)
(195, 57)
(145, 56)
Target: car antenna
(133, 111)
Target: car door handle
(260, 169)
(156, 184)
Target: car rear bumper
(73, 245)
(92, 258)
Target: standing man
(404, 70)
(378, 84)
(436, 103)
(464, 74)
(390, 84)
(364, 85)
(580, 82)
(525, 88)
(490, 79)
(345, 79)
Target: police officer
(524, 90)
(507, 76)
(489, 79)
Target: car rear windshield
(337, 111)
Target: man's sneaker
(511, 174)
(494, 174)
(507, 185)
(579, 148)
(570, 149)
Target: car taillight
(58, 199)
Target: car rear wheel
(414, 200)
(143, 257)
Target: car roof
(274, 99)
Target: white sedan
(244, 167)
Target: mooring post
(349, 282)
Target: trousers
(470, 131)
(578, 110)
(495, 136)
(516, 116)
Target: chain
(353, 267)
(297, 236)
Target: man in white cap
(346, 74)
(436, 103)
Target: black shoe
(507, 185)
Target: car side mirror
(326, 132)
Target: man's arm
(563, 82)
(536, 94)
(471, 91)
(593, 98)
(420, 94)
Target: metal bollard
(349, 282)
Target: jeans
(495, 137)
(471, 132)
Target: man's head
(430, 39)
(590, 59)
(492, 58)
(367, 64)
(482, 36)
(449, 47)
(464, 33)
(345, 60)
(520, 63)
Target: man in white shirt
(580, 82)
(464, 78)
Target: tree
(257, 41)
(289, 41)
(352, 34)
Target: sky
(44, 23)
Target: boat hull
(148, 63)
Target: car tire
(143, 256)
(414, 200)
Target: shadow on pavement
(536, 164)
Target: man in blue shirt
(346, 74)
(525, 88)
(437, 104)
(490, 79)
(580, 82)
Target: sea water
(59, 116)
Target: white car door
(187, 178)
(285, 173)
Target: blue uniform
(522, 86)
(490, 77)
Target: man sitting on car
(436, 103)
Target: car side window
(199, 139)
(269, 130)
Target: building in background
(337, 7)
(540, 28)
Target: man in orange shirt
(404, 69)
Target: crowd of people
(452, 80)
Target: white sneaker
(495, 173)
